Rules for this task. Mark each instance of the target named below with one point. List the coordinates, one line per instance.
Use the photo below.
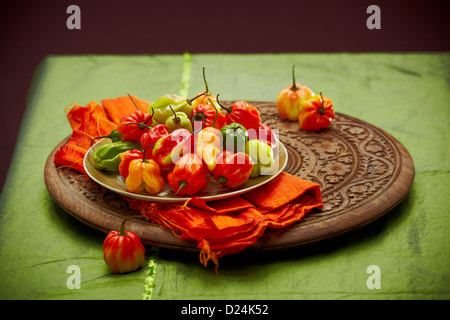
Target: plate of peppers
(184, 148)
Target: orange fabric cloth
(87, 122)
(119, 107)
(90, 121)
(229, 226)
(220, 227)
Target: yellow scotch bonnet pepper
(144, 175)
(290, 99)
(209, 146)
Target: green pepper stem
(217, 114)
(151, 117)
(221, 180)
(189, 101)
(182, 185)
(321, 109)
(122, 225)
(143, 125)
(294, 86)
(140, 125)
(228, 110)
(145, 149)
(176, 118)
(206, 83)
(101, 137)
(134, 102)
(202, 119)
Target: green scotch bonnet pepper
(234, 137)
(162, 110)
(179, 120)
(262, 156)
(107, 157)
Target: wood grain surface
(363, 172)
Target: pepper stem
(134, 102)
(200, 116)
(140, 125)
(294, 86)
(228, 110)
(322, 108)
(143, 125)
(189, 101)
(176, 118)
(221, 180)
(145, 149)
(217, 114)
(182, 185)
(206, 83)
(101, 137)
(122, 225)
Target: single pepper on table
(290, 99)
(316, 113)
(123, 250)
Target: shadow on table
(368, 235)
(250, 259)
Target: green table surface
(405, 94)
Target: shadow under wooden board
(363, 172)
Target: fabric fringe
(206, 254)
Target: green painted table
(404, 94)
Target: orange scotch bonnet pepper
(125, 159)
(144, 175)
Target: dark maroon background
(30, 30)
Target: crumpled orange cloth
(219, 227)
(91, 121)
(228, 226)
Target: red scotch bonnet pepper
(149, 139)
(316, 113)
(243, 113)
(123, 250)
(134, 125)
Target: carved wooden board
(363, 173)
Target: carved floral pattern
(351, 161)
